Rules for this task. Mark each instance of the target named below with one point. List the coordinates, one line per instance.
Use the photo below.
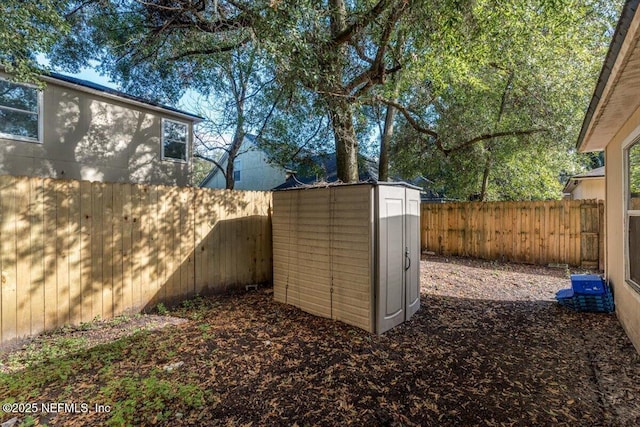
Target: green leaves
(26, 29)
(506, 66)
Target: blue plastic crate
(564, 294)
(587, 284)
(587, 302)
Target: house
(324, 168)
(251, 170)
(254, 171)
(76, 129)
(585, 186)
(612, 124)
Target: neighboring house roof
(88, 86)
(597, 173)
(621, 93)
(248, 139)
(368, 171)
(427, 193)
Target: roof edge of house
(98, 89)
(628, 12)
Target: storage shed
(349, 252)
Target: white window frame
(627, 212)
(187, 142)
(237, 167)
(40, 112)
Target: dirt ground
(489, 346)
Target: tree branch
(407, 115)
(209, 51)
(484, 137)
(200, 156)
(436, 138)
(350, 31)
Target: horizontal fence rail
(567, 232)
(74, 251)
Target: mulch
(489, 346)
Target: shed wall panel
(352, 234)
(322, 242)
(301, 250)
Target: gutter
(628, 12)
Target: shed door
(412, 252)
(390, 290)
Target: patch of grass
(195, 308)
(27, 384)
(162, 309)
(59, 364)
(206, 330)
(149, 400)
(44, 351)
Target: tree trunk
(389, 119)
(489, 163)
(340, 109)
(385, 142)
(238, 137)
(485, 177)
(341, 113)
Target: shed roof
(368, 171)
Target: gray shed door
(412, 252)
(391, 252)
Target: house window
(20, 111)
(237, 170)
(633, 214)
(174, 140)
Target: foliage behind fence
(563, 231)
(71, 251)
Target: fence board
(74, 239)
(9, 260)
(117, 255)
(139, 248)
(50, 256)
(23, 258)
(532, 232)
(85, 251)
(127, 242)
(36, 228)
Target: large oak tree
(408, 55)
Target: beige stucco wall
(90, 137)
(588, 189)
(256, 173)
(627, 300)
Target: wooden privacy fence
(568, 232)
(72, 251)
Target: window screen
(19, 111)
(634, 249)
(174, 140)
(633, 212)
(237, 170)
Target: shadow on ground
(458, 361)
